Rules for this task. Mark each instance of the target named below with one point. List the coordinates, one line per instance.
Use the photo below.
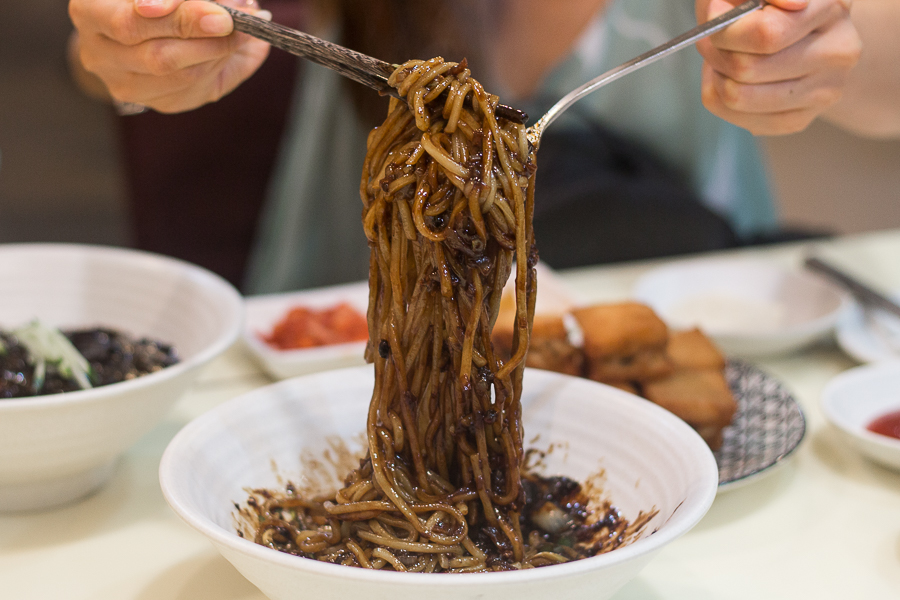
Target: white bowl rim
(222, 342)
(831, 396)
(801, 329)
(643, 546)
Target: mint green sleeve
(310, 233)
(660, 107)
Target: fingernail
(216, 24)
(264, 14)
(144, 3)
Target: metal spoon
(373, 73)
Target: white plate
(749, 307)
(855, 398)
(263, 312)
(868, 336)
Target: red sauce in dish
(307, 327)
(888, 425)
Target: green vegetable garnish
(47, 345)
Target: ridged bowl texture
(646, 459)
(57, 448)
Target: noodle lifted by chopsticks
(448, 197)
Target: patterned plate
(767, 428)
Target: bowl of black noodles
(147, 325)
(304, 432)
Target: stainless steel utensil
(674, 45)
(359, 67)
(880, 314)
(373, 73)
(865, 294)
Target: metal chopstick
(359, 67)
(866, 295)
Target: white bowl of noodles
(649, 460)
(58, 448)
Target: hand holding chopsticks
(373, 72)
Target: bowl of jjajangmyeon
(445, 469)
(651, 477)
(96, 345)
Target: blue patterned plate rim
(767, 427)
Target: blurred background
(60, 177)
(59, 174)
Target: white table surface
(826, 525)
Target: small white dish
(649, 458)
(749, 307)
(57, 448)
(869, 335)
(853, 399)
(264, 311)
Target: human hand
(777, 69)
(169, 55)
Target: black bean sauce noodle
(448, 195)
(113, 357)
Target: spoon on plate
(374, 73)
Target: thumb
(155, 8)
(791, 5)
(717, 7)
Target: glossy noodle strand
(448, 198)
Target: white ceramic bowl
(749, 307)
(650, 458)
(57, 448)
(855, 398)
